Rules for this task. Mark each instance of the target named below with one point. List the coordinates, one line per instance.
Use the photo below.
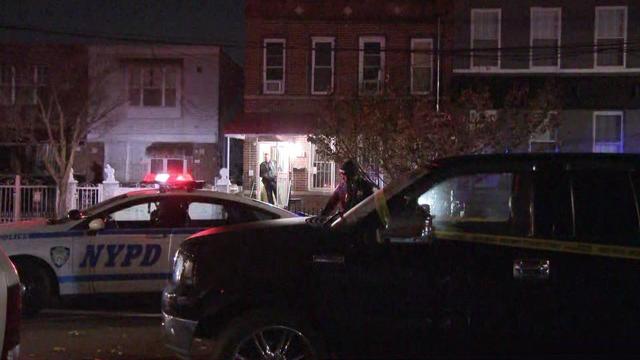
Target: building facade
(302, 54)
(171, 103)
(588, 48)
(27, 72)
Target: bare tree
(389, 134)
(76, 103)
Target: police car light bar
(173, 181)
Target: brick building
(589, 48)
(300, 54)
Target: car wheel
(267, 336)
(36, 286)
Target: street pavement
(98, 328)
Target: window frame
(314, 41)
(596, 38)
(165, 161)
(370, 39)
(312, 160)
(620, 144)
(11, 85)
(557, 11)
(415, 41)
(472, 27)
(264, 66)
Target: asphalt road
(98, 328)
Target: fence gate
(87, 196)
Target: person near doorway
(353, 188)
(268, 173)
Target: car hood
(252, 227)
(29, 226)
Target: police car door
(130, 254)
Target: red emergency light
(173, 181)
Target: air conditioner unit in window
(273, 86)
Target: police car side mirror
(74, 214)
(96, 224)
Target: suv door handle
(328, 259)
(531, 269)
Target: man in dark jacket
(268, 173)
(352, 189)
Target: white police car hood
(30, 226)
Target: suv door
(422, 293)
(605, 271)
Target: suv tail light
(10, 348)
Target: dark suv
(473, 255)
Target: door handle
(328, 259)
(531, 269)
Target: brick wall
(249, 158)
(300, 182)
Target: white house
(171, 101)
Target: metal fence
(34, 201)
(87, 196)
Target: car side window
(487, 203)
(132, 217)
(206, 214)
(605, 207)
(553, 215)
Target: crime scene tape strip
(382, 208)
(614, 251)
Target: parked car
(124, 244)
(10, 293)
(480, 254)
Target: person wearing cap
(351, 190)
(268, 173)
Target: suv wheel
(267, 336)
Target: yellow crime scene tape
(574, 247)
(615, 251)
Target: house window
(153, 85)
(371, 64)
(322, 64)
(544, 139)
(7, 78)
(168, 165)
(608, 132)
(22, 84)
(545, 37)
(274, 65)
(611, 35)
(421, 65)
(485, 38)
(322, 172)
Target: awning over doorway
(270, 124)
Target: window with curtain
(485, 35)
(371, 66)
(610, 35)
(545, 37)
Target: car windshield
(367, 205)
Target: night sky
(195, 21)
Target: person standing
(268, 173)
(352, 189)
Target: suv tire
(279, 335)
(37, 287)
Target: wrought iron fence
(35, 201)
(87, 196)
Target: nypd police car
(123, 244)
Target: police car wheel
(37, 287)
(268, 335)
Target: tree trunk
(61, 209)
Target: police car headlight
(183, 269)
